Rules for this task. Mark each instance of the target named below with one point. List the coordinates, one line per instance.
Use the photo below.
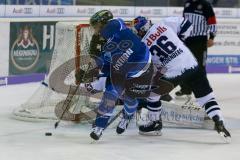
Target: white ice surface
(26, 140)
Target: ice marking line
(24, 132)
(34, 130)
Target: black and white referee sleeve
(211, 21)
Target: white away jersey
(167, 49)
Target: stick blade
(56, 125)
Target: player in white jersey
(177, 64)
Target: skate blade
(94, 141)
(153, 133)
(224, 138)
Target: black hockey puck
(48, 134)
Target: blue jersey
(123, 51)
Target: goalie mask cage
(72, 39)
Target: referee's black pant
(198, 46)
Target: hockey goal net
(72, 39)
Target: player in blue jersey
(124, 61)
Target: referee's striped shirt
(200, 13)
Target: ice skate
(222, 131)
(124, 122)
(152, 128)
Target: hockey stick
(69, 98)
(113, 119)
(66, 103)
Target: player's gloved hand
(79, 75)
(86, 76)
(96, 45)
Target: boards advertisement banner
(151, 11)
(175, 11)
(31, 47)
(4, 48)
(223, 64)
(227, 40)
(226, 12)
(224, 56)
(120, 11)
(84, 11)
(2, 10)
(22, 10)
(88, 10)
(56, 11)
(3, 81)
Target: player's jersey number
(163, 48)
